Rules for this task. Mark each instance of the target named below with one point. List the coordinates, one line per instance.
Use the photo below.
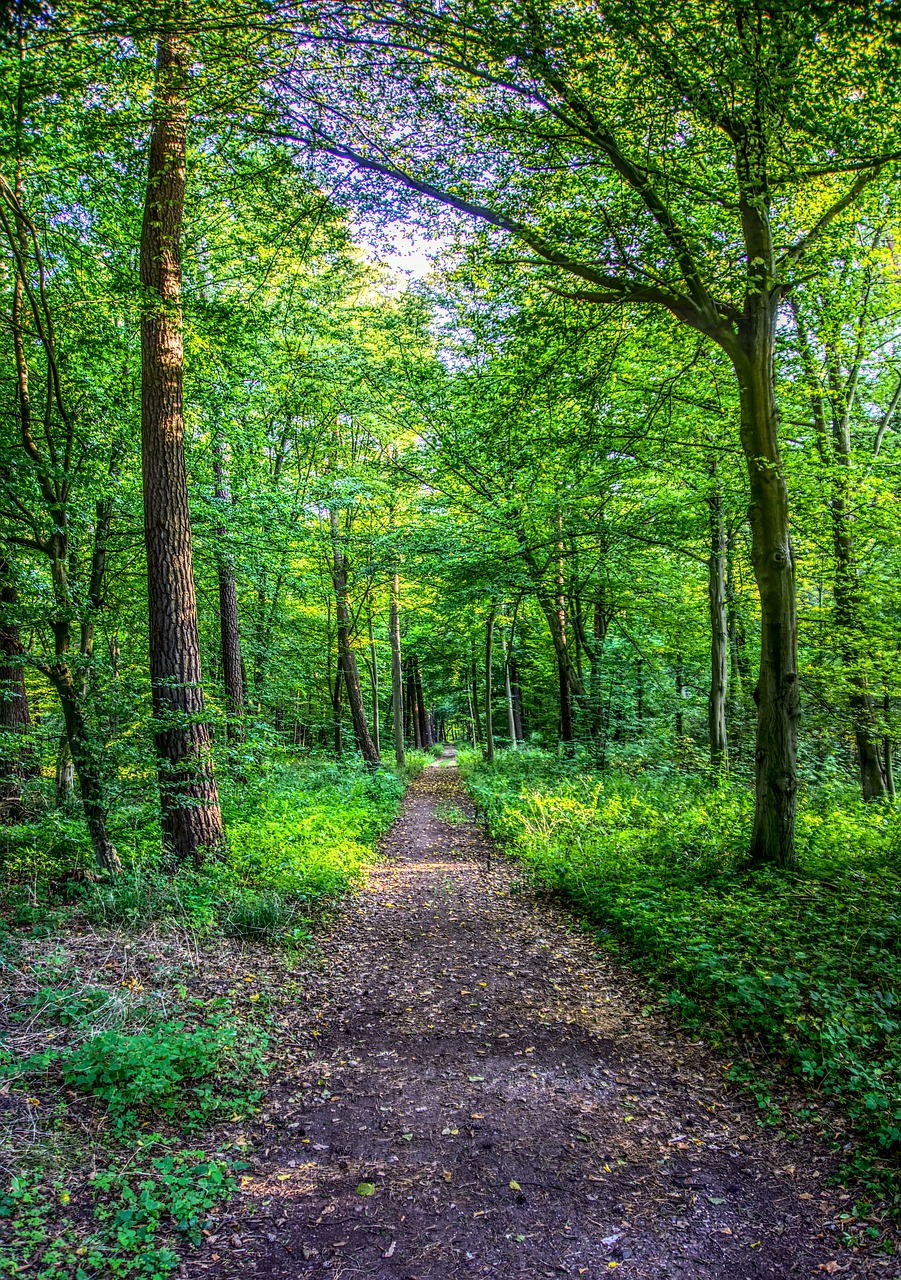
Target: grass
(803, 967)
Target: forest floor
(473, 1088)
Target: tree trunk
(477, 720)
(191, 819)
(508, 690)
(16, 760)
(374, 683)
(346, 656)
(564, 665)
(229, 629)
(776, 695)
(888, 747)
(84, 758)
(719, 631)
(397, 672)
(64, 780)
(738, 661)
(338, 710)
(516, 692)
(425, 737)
(489, 658)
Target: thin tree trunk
(888, 747)
(16, 758)
(425, 737)
(397, 672)
(64, 779)
(680, 680)
(374, 682)
(346, 656)
(508, 690)
(489, 659)
(477, 720)
(738, 663)
(567, 734)
(229, 627)
(191, 818)
(719, 631)
(84, 755)
(338, 710)
(517, 699)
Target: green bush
(807, 964)
(170, 1069)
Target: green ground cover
(804, 967)
(127, 1082)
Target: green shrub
(259, 915)
(807, 965)
(169, 1069)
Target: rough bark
(346, 657)
(191, 819)
(489, 660)
(397, 672)
(229, 623)
(719, 631)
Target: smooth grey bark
(397, 672)
(719, 630)
(489, 661)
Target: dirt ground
(477, 1090)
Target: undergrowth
(804, 966)
(81, 1056)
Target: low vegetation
(115, 1085)
(803, 967)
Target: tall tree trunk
(680, 684)
(229, 628)
(776, 695)
(346, 656)
(516, 692)
(739, 675)
(888, 747)
(835, 452)
(338, 710)
(425, 737)
(16, 759)
(508, 690)
(397, 672)
(84, 754)
(191, 819)
(489, 661)
(719, 630)
(564, 665)
(374, 683)
(477, 719)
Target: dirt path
(484, 1075)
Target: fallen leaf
(365, 1189)
(514, 1185)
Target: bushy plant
(806, 964)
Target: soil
(475, 1089)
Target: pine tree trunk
(397, 672)
(191, 819)
(489, 660)
(229, 628)
(719, 631)
(346, 656)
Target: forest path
(475, 1091)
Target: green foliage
(139, 1211)
(170, 1069)
(806, 967)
